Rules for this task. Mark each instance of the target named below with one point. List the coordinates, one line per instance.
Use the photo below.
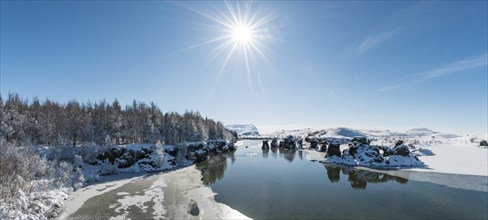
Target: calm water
(285, 185)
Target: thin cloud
(456, 67)
(448, 69)
(373, 41)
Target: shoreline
(176, 188)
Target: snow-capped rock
(360, 153)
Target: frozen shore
(164, 195)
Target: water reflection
(288, 154)
(265, 152)
(274, 150)
(213, 169)
(333, 172)
(300, 154)
(359, 179)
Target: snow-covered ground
(467, 159)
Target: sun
(243, 34)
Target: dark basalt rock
(402, 150)
(352, 149)
(173, 151)
(289, 143)
(387, 151)
(314, 143)
(274, 143)
(124, 157)
(265, 144)
(361, 140)
(323, 147)
(197, 152)
(232, 147)
(282, 143)
(300, 144)
(398, 143)
(334, 149)
(483, 143)
(193, 208)
(216, 147)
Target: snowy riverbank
(463, 159)
(165, 195)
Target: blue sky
(370, 64)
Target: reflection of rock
(333, 172)
(274, 150)
(213, 169)
(193, 208)
(265, 152)
(359, 179)
(289, 155)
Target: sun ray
(241, 33)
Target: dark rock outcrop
(314, 142)
(197, 152)
(274, 143)
(300, 144)
(483, 143)
(125, 157)
(193, 208)
(265, 144)
(398, 143)
(402, 150)
(323, 147)
(290, 143)
(334, 149)
(361, 140)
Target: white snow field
(467, 159)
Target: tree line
(74, 124)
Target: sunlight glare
(242, 34)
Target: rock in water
(193, 208)
(274, 143)
(265, 144)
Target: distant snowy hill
(415, 135)
(244, 129)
